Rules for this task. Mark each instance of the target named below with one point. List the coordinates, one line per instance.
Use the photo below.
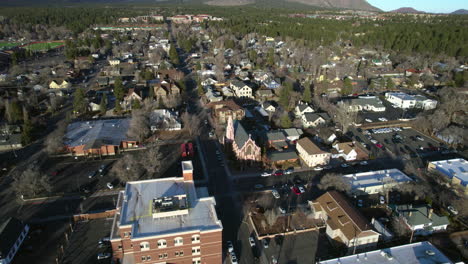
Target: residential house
(164, 119)
(271, 84)
(55, 84)
(349, 151)
(456, 170)
(167, 219)
(166, 88)
(98, 137)
(406, 101)
(264, 94)
(244, 146)
(345, 225)
(421, 219)
(213, 95)
(131, 97)
(278, 158)
(241, 89)
(373, 182)
(269, 107)
(223, 110)
(315, 119)
(276, 139)
(363, 103)
(209, 81)
(303, 108)
(10, 141)
(417, 253)
(227, 92)
(102, 81)
(12, 234)
(114, 62)
(171, 74)
(311, 154)
(293, 134)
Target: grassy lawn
(6, 45)
(43, 46)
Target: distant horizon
(430, 6)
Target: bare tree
(334, 181)
(127, 168)
(191, 123)
(139, 125)
(344, 116)
(54, 141)
(31, 182)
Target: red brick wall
(210, 246)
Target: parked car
(102, 167)
(251, 241)
(379, 145)
(382, 199)
(452, 210)
(318, 168)
(296, 190)
(301, 189)
(110, 186)
(230, 247)
(233, 258)
(103, 255)
(418, 137)
(368, 120)
(258, 186)
(282, 210)
(279, 173)
(265, 242)
(289, 171)
(275, 194)
(344, 165)
(266, 174)
(92, 174)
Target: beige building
(54, 84)
(456, 171)
(311, 154)
(344, 224)
(166, 221)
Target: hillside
(460, 12)
(344, 4)
(406, 10)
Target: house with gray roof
(243, 145)
(421, 218)
(314, 119)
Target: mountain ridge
(407, 10)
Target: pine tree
(307, 96)
(136, 104)
(103, 105)
(79, 102)
(119, 89)
(285, 121)
(173, 55)
(347, 87)
(26, 134)
(390, 84)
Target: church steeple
(230, 130)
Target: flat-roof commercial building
(455, 169)
(98, 137)
(407, 101)
(375, 181)
(164, 221)
(416, 253)
(364, 103)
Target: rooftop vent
(386, 255)
(430, 253)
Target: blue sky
(436, 6)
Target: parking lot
(404, 142)
(390, 113)
(83, 246)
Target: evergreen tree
(118, 108)
(136, 104)
(173, 55)
(307, 96)
(347, 86)
(103, 104)
(26, 134)
(119, 91)
(390, 84)
(284, 95)
(151, 92)
(79, 102)
(285, 121)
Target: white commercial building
(376, 181)
(455, 169)
(364, 103)
(407, 101)
(416, 253)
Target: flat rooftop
(416, 253)
(137, 209)
(96, 133)
(453, 168)
(375, 178)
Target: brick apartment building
(166, 221)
